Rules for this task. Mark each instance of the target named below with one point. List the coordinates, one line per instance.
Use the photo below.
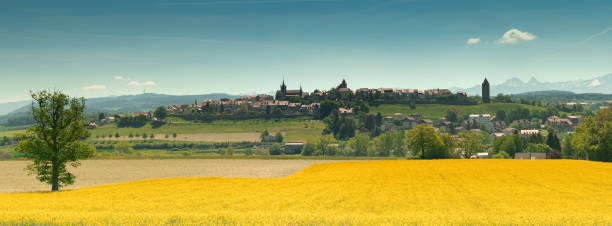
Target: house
(494, 136)
(509, 131)
(532, 156)
(482, 119)
(575, 119)
(556, 122)
(294, 147)
(345, 111)
(529, 132)
(398, 116)
(522, 123)
(482, 155)
(388, 119)
(497, 126)
(428, 122)
(362, 92)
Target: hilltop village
(292, 103)
(298, 102)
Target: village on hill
(341, 102)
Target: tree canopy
(592, 139)
(56, 138)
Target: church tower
(343, 84)
(283, 89)
(486, 96)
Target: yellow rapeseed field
(403, 192)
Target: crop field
(435, 111)
(10, 133)
(424, 192)
(298, 129)
(98, 172)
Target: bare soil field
(13, 177)
(205, 137)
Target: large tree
(426, 142)
(160, 113)
(360, 145)
(593, 137)
(471, 143)
(56, 138)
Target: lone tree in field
(56, 138)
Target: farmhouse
(293, 147)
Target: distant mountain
(128, 103)
(556, 96)
(602, 84)
(6, 108)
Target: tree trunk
(55, 178)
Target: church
(284, 94)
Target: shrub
(157, 124)
(501, 155)
(229, 151)
(104, 154)
(124, 148)
(276, 149)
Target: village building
(294, 147)
(531, 156)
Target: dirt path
(13, 177)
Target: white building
(483, 119)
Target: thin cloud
(94, 87)
(514, 36)
(603, 32)
(120, 78)
(136, 84)
(473, 41)
(233, 2)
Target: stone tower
(486, 96)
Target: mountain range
(601, 84)
(117, 104)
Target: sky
(104, 48)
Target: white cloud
(514, 36)
(120, 78)
(94, 87)
(594, 83)
(472, 41)
(148, 83)
(133, 83)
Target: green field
(435, 111)
(297, 129)
(11, 131)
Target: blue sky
(243, 46)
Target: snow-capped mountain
(601, 84)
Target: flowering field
(430, 192)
